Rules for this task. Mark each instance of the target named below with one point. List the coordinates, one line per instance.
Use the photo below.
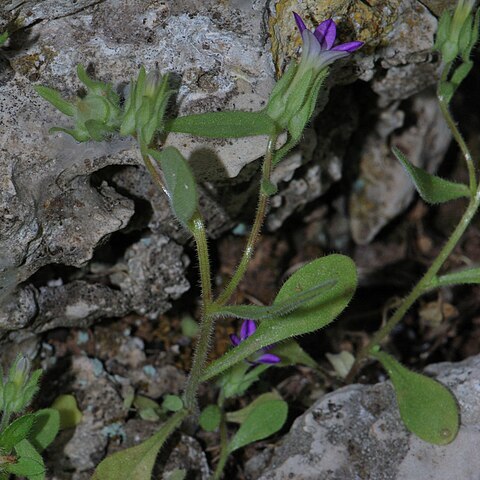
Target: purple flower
(248, 328)
(318, 50)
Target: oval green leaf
(312, 315)
(239, 416)
(431, 188)
(264, 420)
(180, 182)
(210, 418)
(428, 409)
(223, 124)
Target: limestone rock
(356, 433)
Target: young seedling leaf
(54, 97)
(210, 418)
(180, 182)
(70, 415)
(45, 428)
(223, 124)
(342, 362)
(431, 188)
(291, 353)
(310, 316)
(137, 462)
(16, 432)
(29, 462)
(428, 409)
(172, 403)
(265, 419)
(461, 277)
(241, 415)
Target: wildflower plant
(23, 436)
(316, 293)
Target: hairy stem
(207, 321)
(456, 132)
(421, 287)
(257, 225)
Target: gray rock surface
(61, 202)
(355, 433)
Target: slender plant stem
(207, 322)
(421, 287)
(223, 444)
(257, 225)
(456, 132)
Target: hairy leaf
(137, 462)
(16, 432)
(431, 188)
(263, 420)
(311, 316)
(29, 463)
(258, 312)
(428, 409)
(180, 182)
(234, 124)
(54, 97)
(461, 277)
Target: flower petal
(268, 358)
(311, 49)
(301, 26)
(248, 328)
(326, 33)
(235, 340)
(348, 47)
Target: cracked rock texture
(83, 232)
(355, 433)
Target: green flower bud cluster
(19, 387)
(457, 33)
(145, 106)
(99, 112)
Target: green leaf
(311, 316)
(461, 73)
(223, 124)
(241, 415)
(78, 135)
(210, 418)
(177, 474)
(180, 182)
(431, 188)
(428, 409)
(29, 463)
(278, 309)
(137, 462)
(291, 353)
(54, 97)
(70, 415)
(173, 403)
(147, 408)
(461, 277)
(16, 432)
(263, 420)
(3, 38)
(45, 428)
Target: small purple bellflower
(247, 329)
(318, 46)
